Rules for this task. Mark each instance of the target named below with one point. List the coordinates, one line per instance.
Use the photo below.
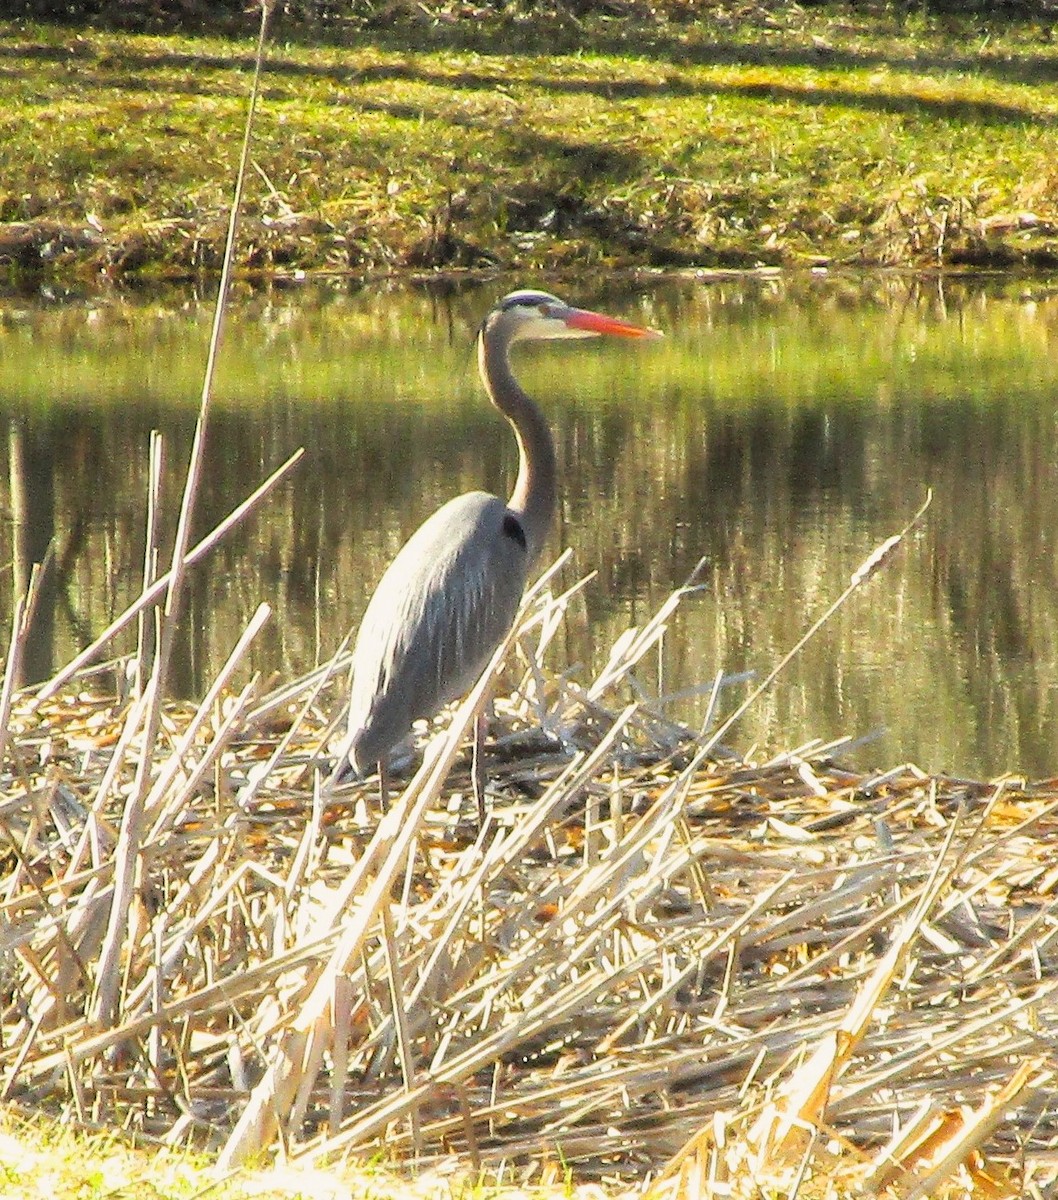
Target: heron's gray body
(443, 605)
(452, 593)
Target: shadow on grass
(947, 109)
(684, 46)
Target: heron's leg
(383, 784)
(477, 770)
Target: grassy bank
(778, 136)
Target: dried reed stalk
(151, 595)
(148, 629)
(127, 851)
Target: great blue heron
(450, 596)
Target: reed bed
(657, 963)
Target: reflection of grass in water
(731, 344)
(781, 427)
(815, 134)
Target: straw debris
(714, 974)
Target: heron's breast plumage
(435, 619)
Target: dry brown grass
(651, 960)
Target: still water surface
(783, 429)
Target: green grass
(829, 134)
(42, 1158)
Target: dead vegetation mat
(656, 964)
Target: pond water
(782, 430)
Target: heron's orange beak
(593, 322)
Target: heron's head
(529, 315)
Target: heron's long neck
(533, 498)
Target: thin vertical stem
(400, 1021)
(147, 635)
(105, 1001)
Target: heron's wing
(439, 612)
